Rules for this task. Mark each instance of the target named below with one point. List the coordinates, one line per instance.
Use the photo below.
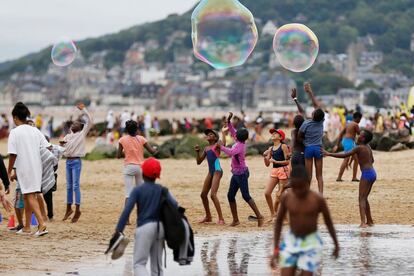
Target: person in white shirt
(24, 145)
(110, 121)
(147, 124)
(125, 116)
(74, 144)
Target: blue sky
(29, 25)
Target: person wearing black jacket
(5, 179)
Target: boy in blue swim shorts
(347, 138)
(311, 133)
(369, 176)
(301, 247)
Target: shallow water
(379, 250)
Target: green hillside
(336, 23)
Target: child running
(368, 177)
(240, 171)
(74, 144)
(278, 156)
(301, 247)
(215, 172)
(347, 137)
(311, 133)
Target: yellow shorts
(280, 173)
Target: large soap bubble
(296, 47)
(223, 32)
(63, 52)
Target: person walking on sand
(347, 138)
(24, 145)
(149, 234)
(74, 144)
(214, 175)
(131, 146)
(240, 171)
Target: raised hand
(197, 148)
(229, 117)
(293, 93)
(307, 87)
(80, 106)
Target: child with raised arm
(240, 171)
(311, 133)
(214, 175)
(277, 156)
(298, 149)
(347, 138)
(368, 177)
(74, 144)
(301, 247)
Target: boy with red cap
(278, 156)
(149, 240)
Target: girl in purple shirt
(240, 171)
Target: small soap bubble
(63, 52)
(296, 47)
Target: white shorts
(132, 177)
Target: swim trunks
(302, 252)
(313, 152)
(348, 144)
(369, 175)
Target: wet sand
(392, 202)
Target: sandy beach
(392, 202)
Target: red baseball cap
(151, 168)
(281, 132)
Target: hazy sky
(29, 25)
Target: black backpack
(171, 219)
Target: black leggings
(49, 203)
(239, 182)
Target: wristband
(276, 251)
(295, 99)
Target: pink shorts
(281, 173)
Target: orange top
(133, 149)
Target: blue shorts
(348, 144)
(313, 152)
(369, 175)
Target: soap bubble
(63, 52)
(296, 47)
(223, 32)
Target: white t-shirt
(111, 121)
(147, 121)
(125, 116)
(25, 141)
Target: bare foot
(205, 220)
(363, 225)
(260, 221)
(76, 217)
(355, 180)
(67, 215)
(235, 223)
(370, 223)
(339, 180)
(221, 222)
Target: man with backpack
(149, 235)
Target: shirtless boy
(301, 247)
(347, 138)
(368, 177)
